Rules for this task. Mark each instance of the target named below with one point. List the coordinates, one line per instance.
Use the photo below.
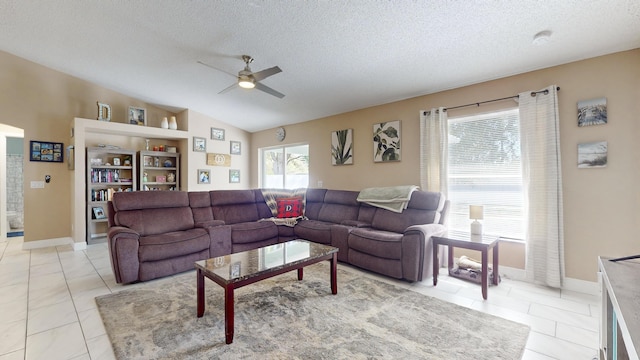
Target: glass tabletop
(246, 264)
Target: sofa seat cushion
(382, 244)
(250, 232)
(173, 244)
(314, 230)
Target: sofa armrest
(428, 230)
(123, 251)
(209, 223)
(417, 250)
(355, 223)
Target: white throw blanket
(392, 198)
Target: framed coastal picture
(342, 147)
(137, 116)
(199, 144)
(217, 134)
(592, 155)
(235, 148)
(386, 141)
(46, 151)
(592, 112)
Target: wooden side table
(482, 243)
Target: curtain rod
(533, 93)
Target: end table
(482, 243)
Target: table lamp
(476, 213)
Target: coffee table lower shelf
(229, 285)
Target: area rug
(283, 318)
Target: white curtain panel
(541, 171)
(434, 132)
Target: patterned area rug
(283, 318)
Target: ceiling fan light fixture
(246, 82)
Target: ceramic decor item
(165, 123)
(173, 124)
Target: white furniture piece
(619, 325)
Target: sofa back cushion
(234, 206)
(339, 205)
(314, 201)
(200, 203)
(424, 208)
(153, 212)
(263, 209)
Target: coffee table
(236, 270)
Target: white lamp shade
(476, 212)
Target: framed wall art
(592, 155)
(217, 134)
(46, 151)
(137, 116)
(199, 144)
(234, 176)
(341, 147)
(204, 176)
(235, 148)
(386, 141)
(98, 212)
(592, 112)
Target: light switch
(37, 184)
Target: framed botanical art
(217, 134)
(137, 116)
(46, 151)
(386, 141)
(341, 147)
(234, 148)
(234, 176)
(199, 144)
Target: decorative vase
(165, 123)
(173, 124)
(146, 144)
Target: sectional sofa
(158, 233)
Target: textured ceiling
(336, 56)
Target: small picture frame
(235, 269)
(592, 112)
(46, 151)
(235, 148)
(116, 161)
(137, 116)
(234, 176)
(204, 176)
(98, 212)
(199, 144)
(217, 134)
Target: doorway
(11, 181)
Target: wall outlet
(320, 183)
(37, 184)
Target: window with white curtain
(285, 167)
(485, 169)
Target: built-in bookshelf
(109, 170)
(159, 170)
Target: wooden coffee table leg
(200, 293)
(228, 314)
(334, 275)
(300, 274)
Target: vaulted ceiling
(335, 56)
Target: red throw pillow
(289, 207)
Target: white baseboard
(571, 284)
(37, 244)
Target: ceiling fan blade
(215, 68)
(269, 90)
(263, 74)
(229, 88)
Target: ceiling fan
(248, 79)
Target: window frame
(261, 163)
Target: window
(285, 167)
(484, 169)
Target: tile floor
(48, 309)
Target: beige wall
(601, 206)
(44, 102)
